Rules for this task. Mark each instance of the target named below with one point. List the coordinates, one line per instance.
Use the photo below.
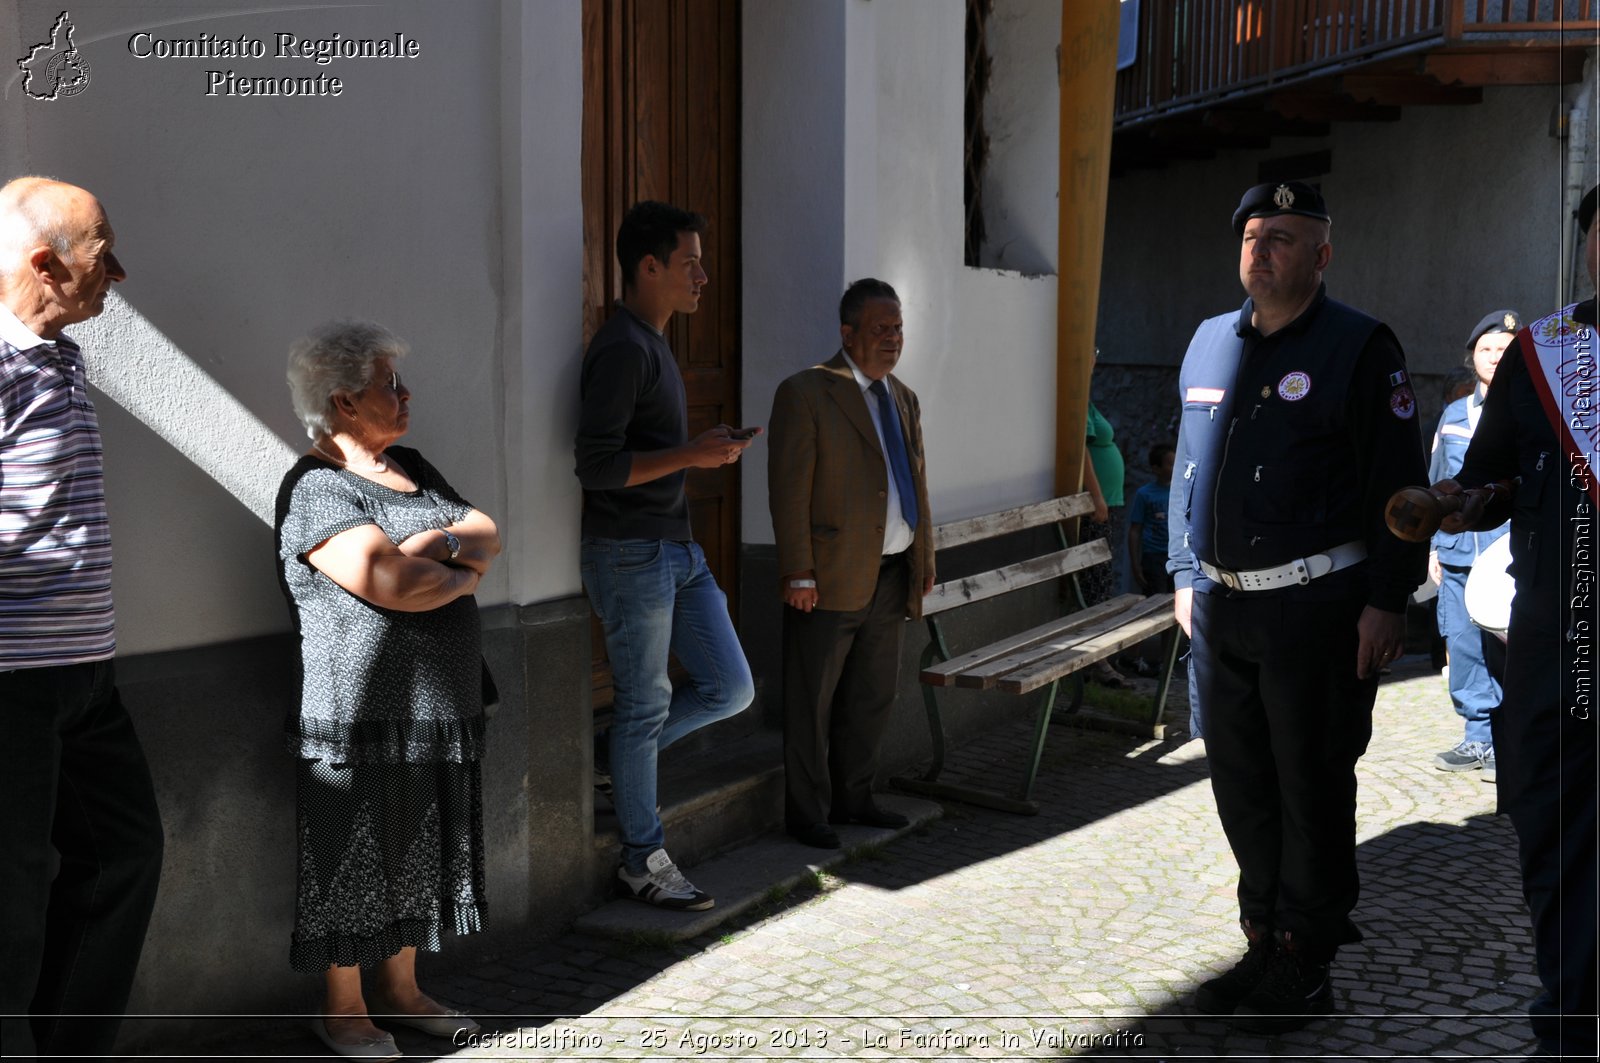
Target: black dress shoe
(873, 816)
(816, 835)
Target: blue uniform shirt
(1449, 451)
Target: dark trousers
(839, 676)
(1546, 763)
(76, 784)
(1286, 719)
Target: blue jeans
(655, 596)
(1473, 690)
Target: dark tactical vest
(1272, 471)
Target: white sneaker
(663, 885)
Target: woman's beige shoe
(373, 1049)
(450, 1024)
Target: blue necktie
(895, 444)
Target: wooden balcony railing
(1195, 51)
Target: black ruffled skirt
(390, 856)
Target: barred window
(979, 68)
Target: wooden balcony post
(1088, 83)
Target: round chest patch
(1402, 403)
(1294, 387)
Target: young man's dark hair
(859, 295)
(652, 228)
(1159, 451)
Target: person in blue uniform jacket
(1473, 691)
(1298, 423)
(1539, 424)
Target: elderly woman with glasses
(379, 558)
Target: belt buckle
(1230, 579)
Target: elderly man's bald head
(56, 264)
(37, 210)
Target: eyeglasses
(394, 384)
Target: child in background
(1147, 525)
(1147, 539)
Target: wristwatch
(452, 542)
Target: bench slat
(1014, 577)
(984, 676)
(944, 673)
(976, 529)
(1086, 653)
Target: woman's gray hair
(334, 358)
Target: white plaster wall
(542, 223)
(1022, 119)
(792, 209)
(1439, 217)
(980, 344)
(245, 221)
(980, 348)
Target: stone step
(742, 878)
(712, 799)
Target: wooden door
(661, 121)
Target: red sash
(1565, 368)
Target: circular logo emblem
(1402, 403)
(67, 73)
(1294, 387)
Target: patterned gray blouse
(379, 686)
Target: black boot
(1294, 992)
(1220, 995)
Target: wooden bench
(1041, 657)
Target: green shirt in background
(1108, 465)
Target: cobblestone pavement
(1079, 932)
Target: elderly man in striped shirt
(75, 779)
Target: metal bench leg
(927, 783)
(1039, 731)
(934, 651)
(1174, 636)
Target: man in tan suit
(849, 497)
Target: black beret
(1587, 207)
(1272, 198)
(1497, 321)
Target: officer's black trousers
(1544, 738)
(1285, 721)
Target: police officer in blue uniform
(1298, 423)
(1545, 729)
(1473, 690)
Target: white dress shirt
(897, 534)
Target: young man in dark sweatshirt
(646, 577)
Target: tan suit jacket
(828, 485)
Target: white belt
(1290, 574)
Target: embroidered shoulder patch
(1402, 403)
(1397, 378)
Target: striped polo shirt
(55, 540)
